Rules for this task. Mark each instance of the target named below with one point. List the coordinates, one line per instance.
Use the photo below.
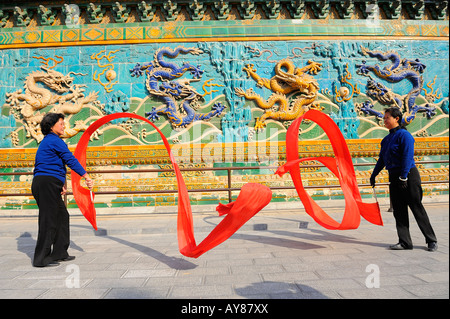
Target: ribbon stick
(374, 194)
(252, 198)
(341, 166)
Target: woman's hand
(403, 183)
(64, 191)
(372, 181)
(89, 181)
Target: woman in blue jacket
(397, 155)
(47, 187)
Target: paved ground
(280, 254)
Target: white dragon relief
(36, 97)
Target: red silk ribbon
(252, 198)
(341, 166)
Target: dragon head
(301, 82)
(186, 90)
(57, 81)
(415, 65)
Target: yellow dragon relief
(27, 105)
(287, 79)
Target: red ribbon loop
(252, 198)
(341, 166)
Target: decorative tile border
(231, 152)
(230, 30)
(19, 160)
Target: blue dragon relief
(398, 70)
(164, 81)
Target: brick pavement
(280, 254)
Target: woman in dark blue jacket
(397, 155)
(47, 187)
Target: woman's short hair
(49, 120)
(395, 112)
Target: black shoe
(51, 264)
(68, 258)
(399, 246)
(432, 246)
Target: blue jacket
(397, 153)
(52, 157)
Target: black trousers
(53, 235)
(410, 197)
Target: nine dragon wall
(220, 104)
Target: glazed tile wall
(203, 85)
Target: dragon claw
(362, 69)
(219, 107)
(196, 72)
(136, 71)
(259, 126)
(153, 115)
(430, 111)
(249, 69)
(314, 67)
(239, 92)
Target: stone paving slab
(293, 258)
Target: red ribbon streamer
(252, 198)
(341, 166)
